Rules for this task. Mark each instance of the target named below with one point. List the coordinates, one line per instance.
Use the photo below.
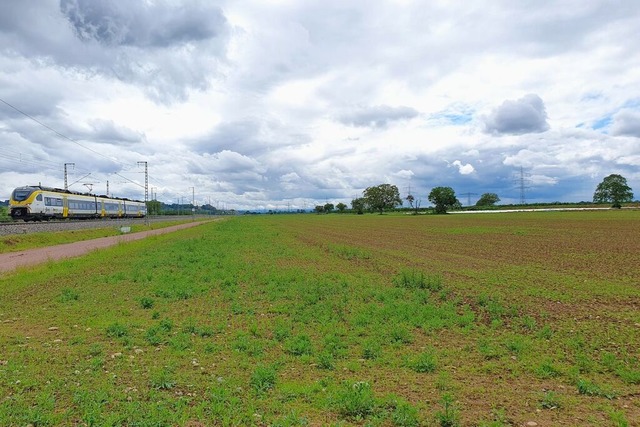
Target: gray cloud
(249, 136)
(379, 116)
(626, 122)
(109, 132)
(144, 24)
(524, 115)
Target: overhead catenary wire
(61, 135)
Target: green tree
(443, 198)
(358, 205)
(328, 207)
(341, 207)
(153, 207)
(488, 199)
(381, 197)
(613, 189)
(319, 208)
(415, 204)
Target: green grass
(21, 242)
(317, 320)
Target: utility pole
(522, 183)
(469, 197)
(146, 188)
(66, 186)
(107, 188)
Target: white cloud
(258, 102)
(464, 169)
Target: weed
(180, 341)
(299, 345)
(116, 330)
(371, 349)
(263, 378)
(592, 389)
(68, 295)
(550, 400)
(281, 330)
(629, 376)
(146, 303)
(413, 279)
(166, 325)
(163, 379)
(354, 400)
(449, 415)
(326, 360)
(244, 343)
(400, 334)
(545, 332)
(405, 415)
(154, 335)
(528, 323)
(489, 350)
(546, 369)
(618, 419)
(425, 362)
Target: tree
(413, 200)
(358, 205)
(341, 207)
(319, 209)
(613, 189)
(443, 198)
(153, 207)
(328, 207)
(381, 197)
(488, 199)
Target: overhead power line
(58, 133)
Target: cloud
(524, 115)
(404, 174)
(379, 116)
(465, 169)
(626, 122)
(109, 132)
(144, 24)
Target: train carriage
(37, 203)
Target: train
(38, 203)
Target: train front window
(21, 194)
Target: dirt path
(11, 261)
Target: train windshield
(20, 194)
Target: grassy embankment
(334, 320)
(21, 242)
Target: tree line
(380, 198)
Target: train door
(65, 207)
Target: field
(292, 320)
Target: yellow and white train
(37, 203)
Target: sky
(286, 104)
